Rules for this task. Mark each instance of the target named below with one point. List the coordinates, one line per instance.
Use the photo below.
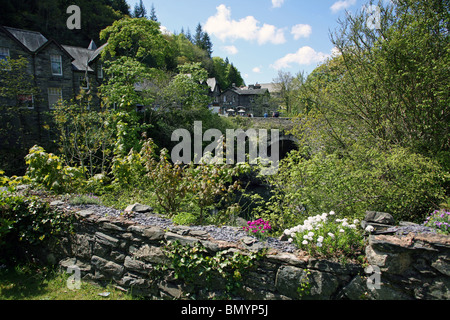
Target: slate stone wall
(118, 251)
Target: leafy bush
(177, 188)
(25, 222)
(48, 170)
(195, 265)
(81, 199)
(11, 182)
(397, 181)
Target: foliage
(19, 131)
(226, 73)
(49, 17)
(139, 10)
(49, 171)
(177, 188)
(13, 181)
(208, 184)
(139, 39)
(326, 235)
(194, 265)
(167, 181)
(440, 220)
(392, 82)
(184, 51)
(188, 89)
(398, 181)
(288, 87)
(85, 136)
(25, 222)
(81, 199)
(123, 74)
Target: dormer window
(56, 62)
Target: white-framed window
(54, 95)
(100, 71)
(26, 100)
(4, 53)
(56, 63)
(84, 82)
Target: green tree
(153, 16)
(135, 54)
(49, 17)
(120, 5)
(395, 79)
(288, 87)
(21, 124)
(234, 76)
(139, 10)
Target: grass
(41, 283)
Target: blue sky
(260, 37)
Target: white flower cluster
(315, 223)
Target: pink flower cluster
(258, 226)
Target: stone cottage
(53, 72)
(246, 100)
(59, 71)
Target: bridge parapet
(283, 124)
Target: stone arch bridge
(287, 141)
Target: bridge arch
(287, 143)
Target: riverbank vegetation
(372, 125)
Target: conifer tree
(153, 16)
(139, 10)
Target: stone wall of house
(118, 251)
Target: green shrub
(25, 223)
(185, 218)
(81, 199)
(397, 181)
(48, 170)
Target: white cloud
(230, 49)
(304, 56)
(341, 5)
(222, 26)
(164, 30)
(335, 52)
(301, 31)
(277, 3)
(256, 70)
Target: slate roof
(32, 40)
(272, 87)
(246, 92)
(35, 41)
(81, 57)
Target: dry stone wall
(132, 256)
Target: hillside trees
(49, 17)
(226, 73)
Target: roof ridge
(24, 30)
